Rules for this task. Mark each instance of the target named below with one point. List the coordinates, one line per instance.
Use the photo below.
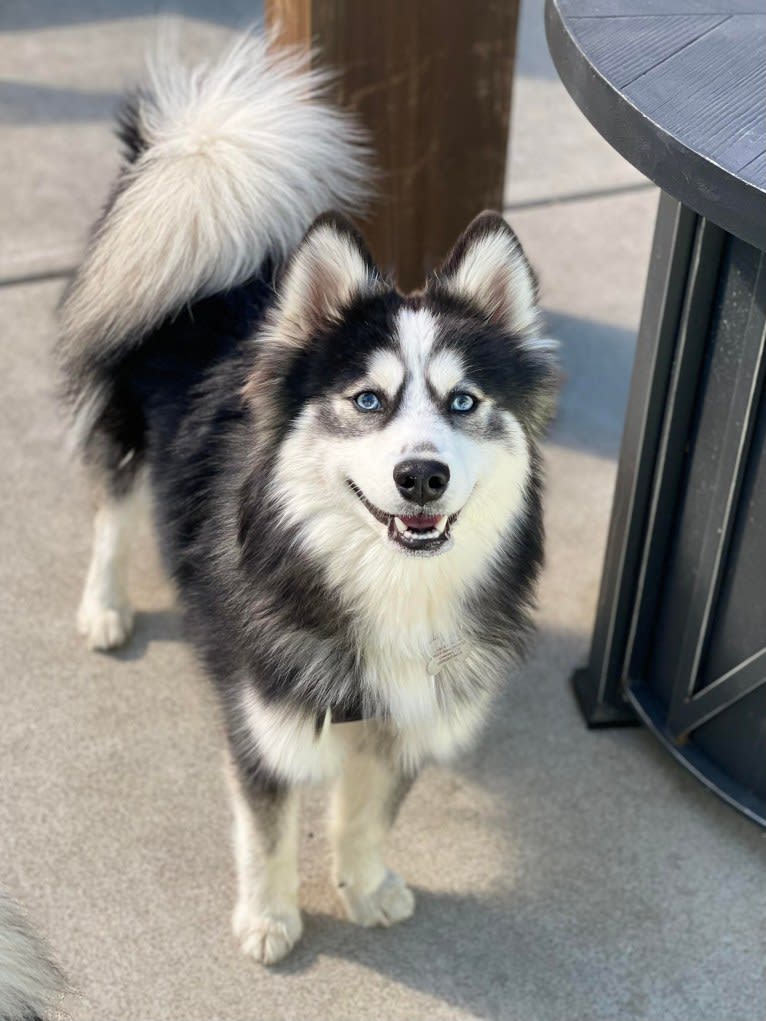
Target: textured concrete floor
(560, 874)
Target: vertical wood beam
(431, 81)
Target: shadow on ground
(20, 16)
(151, 626)
(590, 867)
(596, 360)
(32, 103)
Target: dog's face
(407, 422)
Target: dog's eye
(368, 401)
(462, 403)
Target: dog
(346, 480)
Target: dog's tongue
(421, 522)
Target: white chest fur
(432, 688)
(424, 718)
(407, 613)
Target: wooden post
(431, 80)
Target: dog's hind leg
(113, 450)
(365, 803)
(105, 615)
(266, 920)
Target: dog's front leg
(366, 800)
(266, 918)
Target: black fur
(205, 402)
(334, 357)
(129, 128)
(515, 378)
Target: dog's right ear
(488, 269)
(330, 269)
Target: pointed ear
(488, 269)
(331, 268)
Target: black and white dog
(346, 480)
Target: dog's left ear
(330, 269)
(488, 269)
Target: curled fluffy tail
(30, 983)
(227, 164)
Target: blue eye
(462, 403)
(368, 401)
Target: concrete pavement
(560, 874)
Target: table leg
(598, 686)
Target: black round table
(680, 633)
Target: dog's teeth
(441, 525)
(400, 526)
(432, 533)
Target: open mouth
(416, 533)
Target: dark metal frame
(674, 340)
(685, 455)
(598, 686)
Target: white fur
(242, 156)
(288, 741)
(266, 917)
(326, 274)
(416, 333)
(386, 373)
(495, 275)
(544, 346)
(30, 983)
(446, 371)
(360, 821)
(105, 614)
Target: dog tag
(442, 654)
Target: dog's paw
(104, 627)
(268, 937)
(391, 902)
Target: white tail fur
(234, 161)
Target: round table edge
(736, 205)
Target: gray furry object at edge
(31, 984)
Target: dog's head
(404, 426)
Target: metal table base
(680, 635)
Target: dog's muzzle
(416, 533)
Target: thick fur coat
(346, 480)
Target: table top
(678, 87)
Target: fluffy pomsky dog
(346, 480)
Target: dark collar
(345, 712)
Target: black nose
(421, 481)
